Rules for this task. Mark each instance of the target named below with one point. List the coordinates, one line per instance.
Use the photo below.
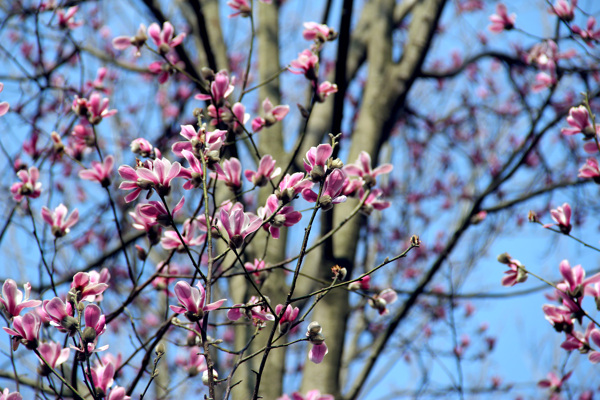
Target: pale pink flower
(266, 171)
(195, 363)
(94, 109)
(559, 317)
(6, 395)
(332, 191)
(118, 393)
(29, 185)
(236, 225)
(562, 217)
(306, 64)
(157, 211)
(163, 39)
(271, 115)
(66, 20)
(316, 31)
(142, 222)
(382, 299)
(316, 159)
(157, 177)
(86, 288)
(60, 314)
(103, 377)
(143, 148)
(4, 106)
(192, 300)
(324, 90)
(25, 330)
(590, 169)
(319, 348)
(362, 168)
(240, 117)
(543, 81)
(231, 173)
(195, 170)
(200, 142)
(579, 122)
(515, 274)
(564, 10)
(258, 314)
(291, 185)
(287, 318)
(501, 20)
(220, 89)
(373, 201)
(193, 234)
(58, 220)
(363, 283)
(54, 354)
(241, 7)
(100, 171)
(13, 300)
(285, 217)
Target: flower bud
(326, 202)
(415, 241)
(532, 216)
(160, 349)
(89, 334)
(141, 253)
(317, 174)
(504, 258)
(208, 74)
(205, 379)
(335, 163)
(314, 328)
(70, 324)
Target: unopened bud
(415, 241)
(69, 323)
(57, 143)
(335, 163)
(504, 258)
(314, 328)
(141, 253)
(317, 339)
(532, 216)
(205, 379)
(207, 74)
(89, 334)
(160, 349)
(303, 110)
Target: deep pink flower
(142, 222)
(594, 356)
(103, 377)
(382, 299)
(266, 171)
(271, 115)
(143, 147)
(54, 354)
(562, 217)
(564, 10)
(193, 234)
(235, 225)
(287, 318)
(164, 39)
(123, 42)
(88, 288)
(58, 220)
(200, 142)
(29, 185)
(501, 20)
(220, 89)
(258, 314)
(192, 299)
(362, 168)
(590, 169)
(575, 283)
(579, 122)
(363, 283)
(6, 395)
(590, 34)
(241, 7)
(306, 63)
(66, 20)
(316, 160)
(316, 31)
(373, 201)
(100, 172)
(319, 348)
(231, 173)
(292, 185)
(324, 90)
(25, 330)
(157, 211)
(515, 274)
(4, 106)
(285, 217)
(12, 298)
(60, 314)
(93, 109)
(332, 191)
(156, 174)
(559, 317)
(577, 340)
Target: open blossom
(241, 7)
(93, 109)
(315, 162)
(192, 300)
(306, 64)
(501, 20)
(594, 356)
(220, 89)
(59, 314)
(259, 314)
(13, 300)
(577, 340)
(590, 34)
(553, 382)
(137, 41)
(4, 106)
(382, 299)
(316, 337)
(292, 185)
(324, 90)
(316, 31)
(373, 202)
(88, 285)
(66, 20)
(100, 171)
(266, 171)
(285, 217)
(103, 377)
(236, 224)
(163, 39)
(287, 318)
(231, 173)
(575, 282)
(332, 191)
(362, 168)
(53, 354)
(193, 234)
(155, 174)
(271, 115)
(200, 142)
(58, 220)
(564, 9)
(590, 169)
(29, 185)
(195, 363)
(579, 122)
(143, 147)
(559, 317)
(562, 217)
(118, 393)
(6, 395)
(25, 330)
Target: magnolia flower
(590, 169)
(316, 159)
(231, 173)
(271, 115)
(86, 286)
(332, 191)
(94, 109)
(58, 220)
(53, 354)
(306, 64)
(29, 185)
(316, 31)
(266, 171)
(163, 39)
(501, 20)
(291, 185)
(220, 88)
(362, 168)
(324, 90)
(559, 317)
(286, 216)
(259, 314)
(381, 300)
(123, 42)
(193, 234)
(4, 106)
(200, 142)
(287, 317)
(562, 217)
(235, 225)
(66, 20)
(319, 349)
(100, 172)
(553, 382)
(564, 10)
(6, 395)
(25, 330)
(118, 393)
(193, 300)
(575, 283)
(60, 314)
(12, 298)
(103, 377)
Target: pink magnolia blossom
(4, 106)
(6, 395)
(58, 220)
(594, 356)
(559, 317)
(314, 394)
(266, 171)
(66, 20)
(306, 64)
(193, 234)
(163, 39)
(363, 283)
(287, 317)
(291, 185)
(142, 222)
(236, 225)
(258, 314)
(220, 89)
(60, 314)
(501, 20)
(94, 109)
(143, 148)
(103, 377)
(192, 300)
(543, 81)
(13, 300)
(315, 162)
(241, 7)
(579, 122)
(590, 170)
(578, 341)
(200, 142)
(100, 171)
(575, 283)
(562, 217)
(155, 174)
(54, 355)
(316, 31)
(319, 348)
(271, 115)
(137, 41)
(239, 117)
(564, 9)
(285, 217)
(257, 269)
(373, 202)
(157, 211)
(118, 393)
(87, 286)
(382, 299)
(25, 330)
(195, 363)
(29, 185)
(553, 382)
(324, 90)
(332, 191)
(515, 274)
(362, 168)
(590, 34)
(231, 173)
